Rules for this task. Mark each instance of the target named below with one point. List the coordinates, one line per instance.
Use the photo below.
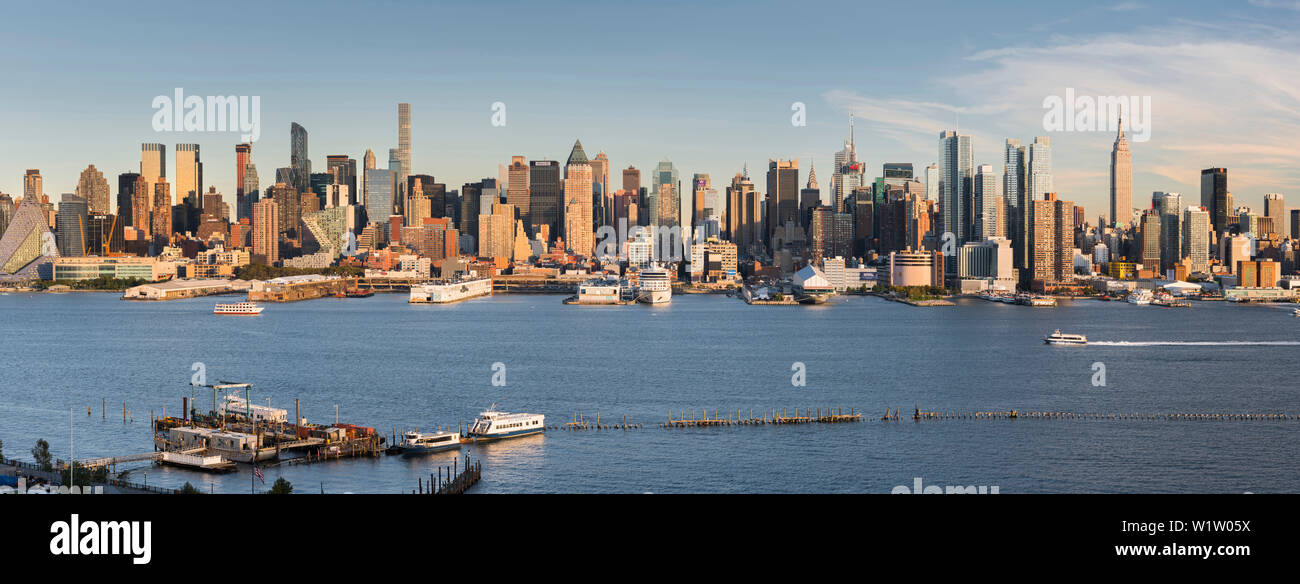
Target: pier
(451, 480)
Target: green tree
(189, 489)
(41, 454)
(281, 487)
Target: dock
(451, 480)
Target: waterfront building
(89, 268)
(24, 240)
(916, 268)
(1052, 241)
(986, 265)
(1258, 273)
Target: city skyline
(717, 133)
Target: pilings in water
(773, 416)
(451, 480)
(919, 415)
(580, 422)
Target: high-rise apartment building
(1197, 227)
(93, 189)
(189, 175)
(153, 166)
(956, 176)
(266, 232)
(578, 232)
(403, 146)
(1052, 234)
(299, 161)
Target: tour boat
(243, 308)
(1059, 338)
(1295, 312)
(496, 425)
(419, 443)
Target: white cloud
(1222, 95)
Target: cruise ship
(447, 292)
(1059, 338)
(656, 286)
(420, 443)
(496, 425)
(240, 308)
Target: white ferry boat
(1059, 338)
(600, 291)
(447, 292)
(495, 425)
(241, 308)
(656, 286)
(1141, 297)
(420, 443)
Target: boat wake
(1196, 343)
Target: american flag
(258, 473)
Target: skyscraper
(1052, 235)
(71, 226)
(189, 174)
(631, 179)
(517, 188)
(600, 186)
(381, 184)
(266, 232)
(153, 166)
(1013, 192)
(956, 173)
(1039, 174)
(367, 164)
(1216, 200)
(668, 212)
(782, 197)
(578, 233)
(299, 160)
(1275, 207)
(125, 206)
(243, 156)
(33, 185)
(403, 144)
(344, 170)
(738, 226)
(93, 189)
(848, 173)
(544, 197)
(1196, 238)
(702, 192)
(987, 194)
(1170, 207)
(1121, 180)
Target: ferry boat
(241, 308)
(1059, 338)
(601, 291)
(1141, 297)
(1295, 312)
(656, 286)
(447, 292)
(420, 443)
(496, 425)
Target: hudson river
(388, 364)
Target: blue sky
(709, 85)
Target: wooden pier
(451, 480)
